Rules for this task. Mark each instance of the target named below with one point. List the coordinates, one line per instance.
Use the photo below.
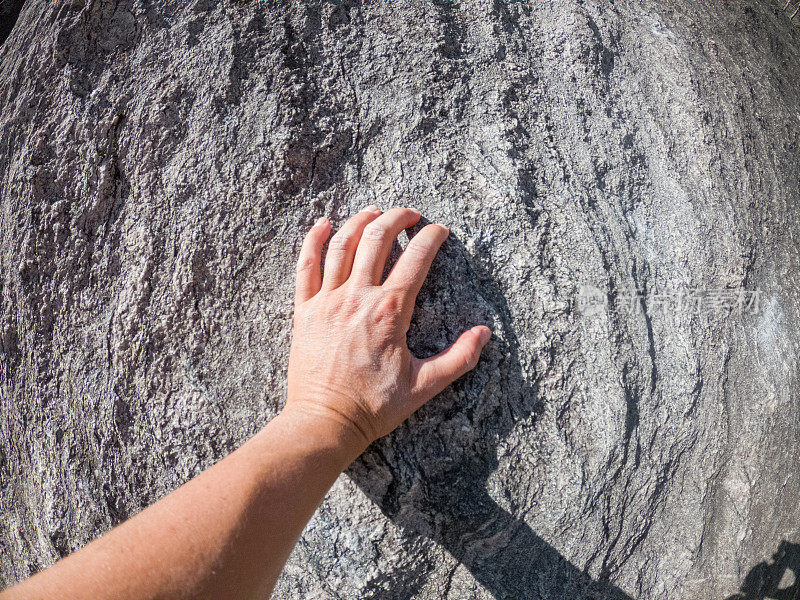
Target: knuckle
(468, 360)
(305, 263)
(340, 242)
(417, 250)
(390, 304)
(473, 361)
(375, 231)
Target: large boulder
(621, 184)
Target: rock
(9, 11)
(621, 184)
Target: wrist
(326, 428)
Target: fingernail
(414, 210)
(486, 333)
(372, 208)
(320, 221)
(447, 229)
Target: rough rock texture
(160, 162)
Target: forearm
(351, 379)
(225, 534)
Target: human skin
(228, 532)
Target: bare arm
(228, 532)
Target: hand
(349, 360)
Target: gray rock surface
(160, 162)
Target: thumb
(434, 374)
